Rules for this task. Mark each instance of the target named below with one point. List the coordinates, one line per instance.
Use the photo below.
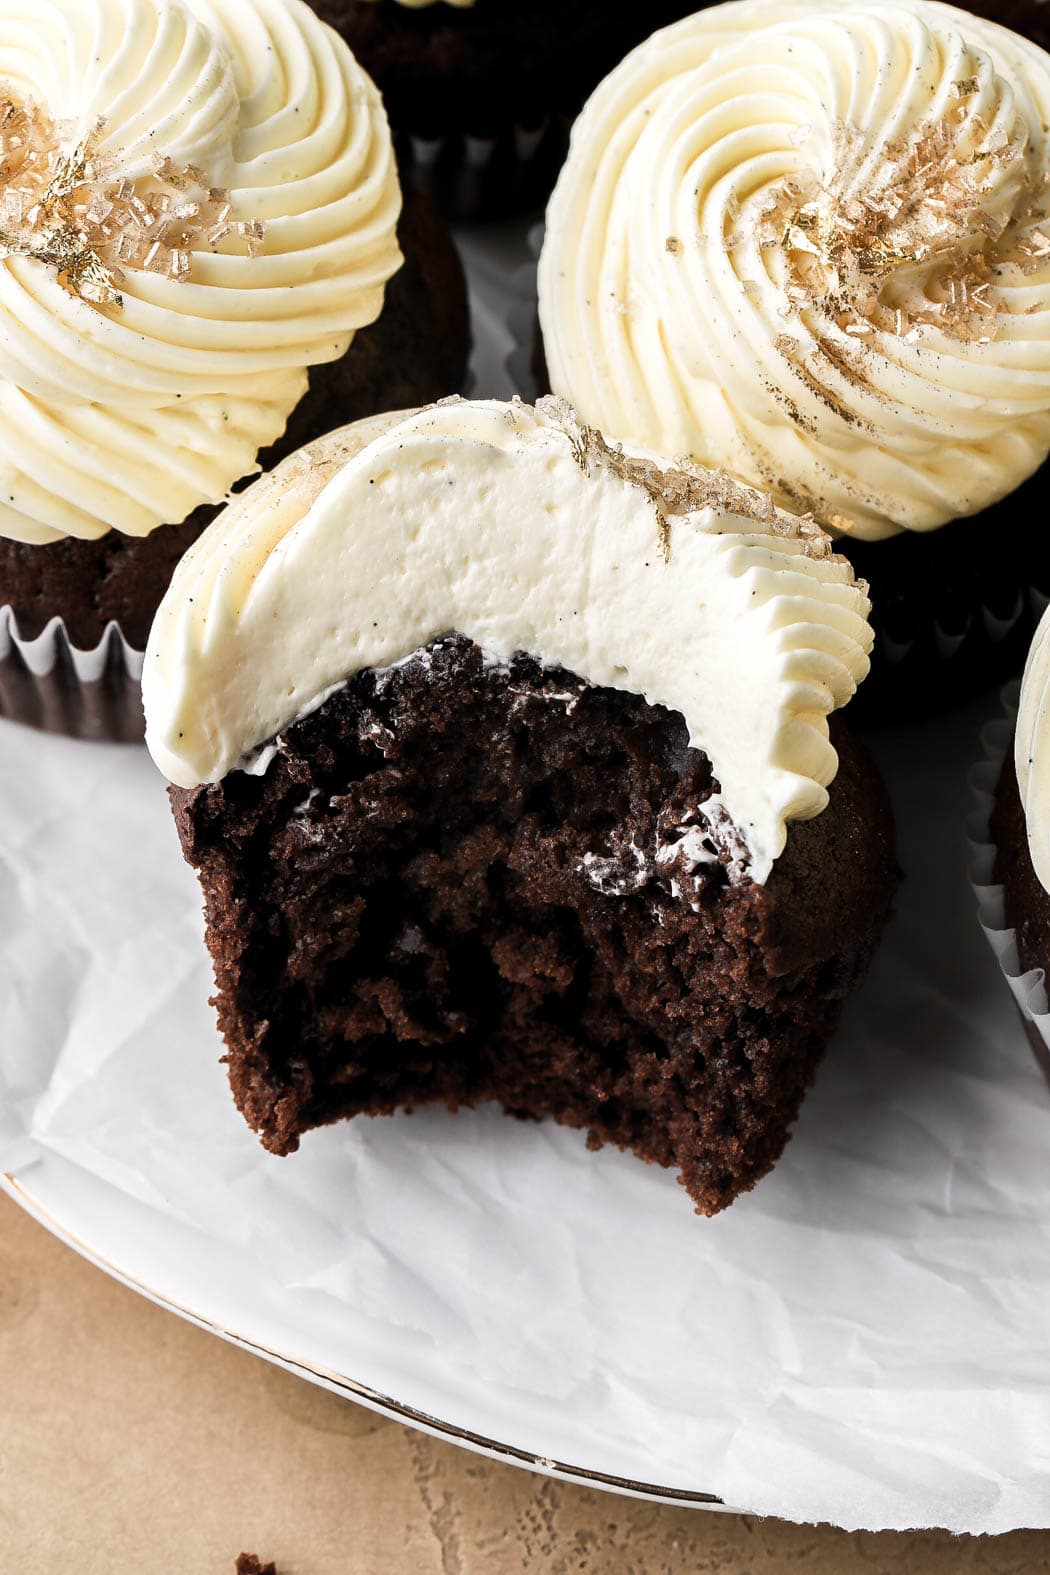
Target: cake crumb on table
(250, 1564)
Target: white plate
(226, 1293)
(864, 1339)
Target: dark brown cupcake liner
(944, 637)
(1027, 986)
(51, 684)
(476, 178)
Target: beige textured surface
(131, 1443)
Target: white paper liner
(1028, 986)
(52, 683)
(41, 653)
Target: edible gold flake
(928, 209)
(685, 488)
(62, 204)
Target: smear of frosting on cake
(811, 243)
(525, 531)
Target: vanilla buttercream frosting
(128, 405)
(809, 242)
(524, 531)
(1032, 750)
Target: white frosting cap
(520, 529)
(130, 416)
(807, 241)
(1032, 750)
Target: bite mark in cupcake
(488, 692)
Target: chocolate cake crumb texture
(251, 1564)
(445, 887)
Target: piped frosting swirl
(523, 530)
(130, 415)
(810, 242)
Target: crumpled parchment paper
(865, 1339)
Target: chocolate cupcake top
(523, 530)
(1032, 750)
(811, 242)
(198, 201)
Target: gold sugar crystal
(64, 204)
(926, 218)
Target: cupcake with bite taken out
(204, 261)
(508, 764)
(810, 243)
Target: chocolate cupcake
(480, 93)
(810, 243)
(504, 762)
(201, 268)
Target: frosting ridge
(809, 242)
(680, 586)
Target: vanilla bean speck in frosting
(524, 531)
(811, 242)
(198, 202)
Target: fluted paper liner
(48, 682)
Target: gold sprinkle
(928, 208)
(62, 203)
(684, 489)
